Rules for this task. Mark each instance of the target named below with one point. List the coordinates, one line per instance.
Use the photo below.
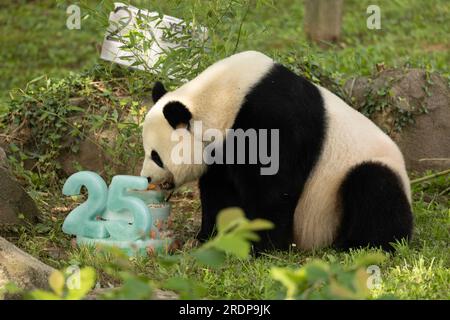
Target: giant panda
(340, 182)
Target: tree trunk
(323, 20)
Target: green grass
(419, 270)
(412, 33)
(36, 42)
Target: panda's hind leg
(375, 208)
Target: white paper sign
(125, 18)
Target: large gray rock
(413, 107)
(93, 155)
(16, 205)
(89, 156)
(22, 269)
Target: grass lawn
(419, 270)
(35, 42)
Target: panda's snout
(165, 185)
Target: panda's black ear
(158, 91)
(177, 114)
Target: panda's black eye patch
(156, 158)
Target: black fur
(158, 91)
(177, 114)
(376, 211)
(284, 101)
(154, 155)
(216, 193)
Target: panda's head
(165, 126)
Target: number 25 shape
(82, 221)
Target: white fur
(214, 97)
(351, 138)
